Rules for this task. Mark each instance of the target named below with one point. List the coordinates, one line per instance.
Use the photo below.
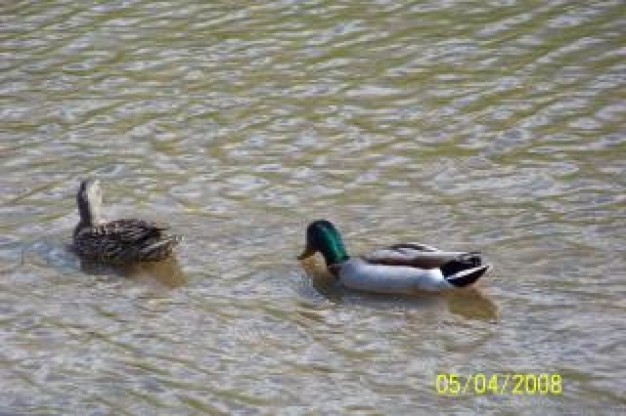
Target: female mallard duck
(119, 241)
(401, 268)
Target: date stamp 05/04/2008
(450, 384)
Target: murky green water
(497, 126)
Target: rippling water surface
(497, 126)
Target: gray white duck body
(400, 268)
(119, 241)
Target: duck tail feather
(463, 276)
(471, 258)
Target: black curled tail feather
(464, 262)
(465, 270)
(471, 259)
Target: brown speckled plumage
(118, 241)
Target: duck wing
(420, 256)
(131, 231)
(125, 240)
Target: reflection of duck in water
(401, 268)
(472, 304)
(166, 273)
(120, 241)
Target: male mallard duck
(401, 268)
(119, 241)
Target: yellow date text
(523, 384)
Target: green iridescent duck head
(322, 236)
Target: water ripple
(494, 125)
